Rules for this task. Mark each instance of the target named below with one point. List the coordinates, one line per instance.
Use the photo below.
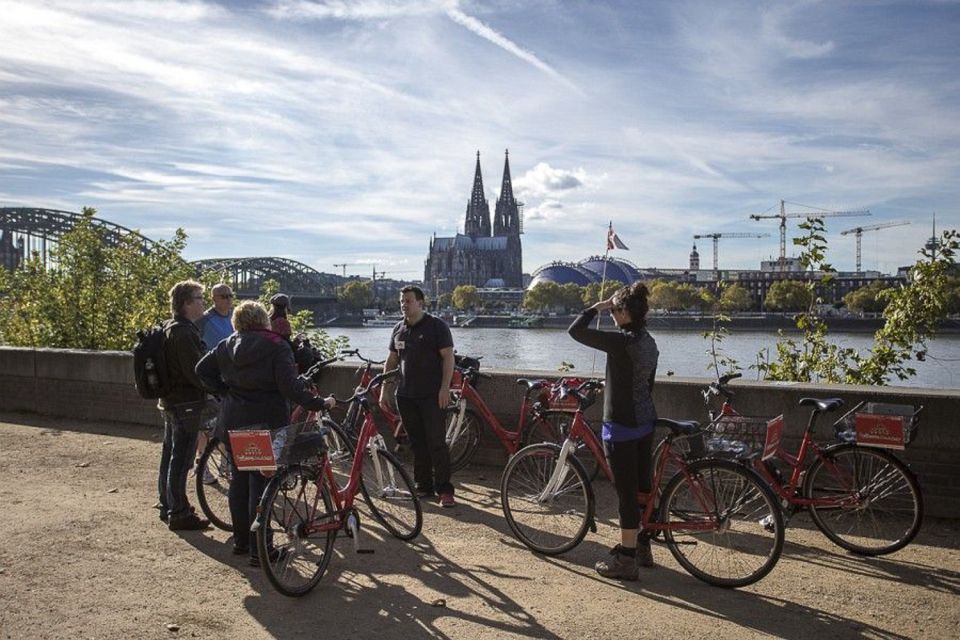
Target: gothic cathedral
(477, 256)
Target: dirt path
(83, 555)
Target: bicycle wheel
(339, 447)
(547, 523)
(746, 538)
(212, 496)
(294, 556)
(879, 505)
(388, 491)
(553, 426)
(464, 443)
(669, 470)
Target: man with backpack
(182, 349)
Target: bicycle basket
(745, 436)
(880, 424)
(297, 442)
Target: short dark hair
(417, 292)
(181, 293)
(633, 298)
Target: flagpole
(603, 281)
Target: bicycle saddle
(684, 427)
(532, 384)
(822, 404)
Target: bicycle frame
(466, 394)
(790, 491)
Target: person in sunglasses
(215, 324)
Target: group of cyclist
(253, 372)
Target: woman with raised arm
(628, 417)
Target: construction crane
(817, 213)
(716, 237)
(344, 265)
(874, 227)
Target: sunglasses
(225, 296)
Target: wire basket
(879, 424)
(744, 436)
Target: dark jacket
(631, 367)
(182, 350)
(255, 375)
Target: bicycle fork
(455, 429)
(560, 471)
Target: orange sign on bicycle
(774, 435)
(252, 450)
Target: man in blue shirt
(215, 324)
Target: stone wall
(99, 386)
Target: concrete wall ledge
(98, 385)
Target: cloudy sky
(338, 131)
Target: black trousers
(423, 421)
(631, 466)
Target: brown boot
(644, 553)
(620, 566)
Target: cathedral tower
(477, 222)
(506, 220)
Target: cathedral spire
(506, 220)
(478, 211)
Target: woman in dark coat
(628, 416)
(254, 373)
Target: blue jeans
(176, 460)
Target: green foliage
(789, 295)
(465, 297)
(356, 294)
(868, 298)
(591, 293)
(92, 295)
(911, 317)
(679, 296)
(565, 367)
(547, 296)
(735, 297)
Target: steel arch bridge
(295, 278)
(29, 229)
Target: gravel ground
(83, 555)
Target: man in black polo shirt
(422, 346)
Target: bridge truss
(295, 278)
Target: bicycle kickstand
(353, 525)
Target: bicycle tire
(745, 544)
(670, 470)
(468, 440)
(553, 426)
(870, 525)
(388, 491)
(339, 448)
(560, 522)
(293, 559)
(213, 498)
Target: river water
(682, 352)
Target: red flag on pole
(614, 241)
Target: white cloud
(544, 180)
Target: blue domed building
(586, 272)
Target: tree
(465, 297)
(571, 297)
(868, 298)
(678, 296)
(356, 294)
(788, 295)
(592, 295)
(92, 295)
(544, 295)
(735, 297)
(911, 317)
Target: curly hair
(250, 315)
(633, 298)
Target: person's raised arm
(580, 329)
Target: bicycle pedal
(365, 551)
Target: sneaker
(189, 522)
(275, 556)
(208, 478)
(446, 500)
(620, 567)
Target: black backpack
(149, 363)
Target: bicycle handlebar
(356, 352)
(376, 380)
(314, 370)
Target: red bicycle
(304, 506)
(863, 498)
(718, 518)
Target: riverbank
(673, 322)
